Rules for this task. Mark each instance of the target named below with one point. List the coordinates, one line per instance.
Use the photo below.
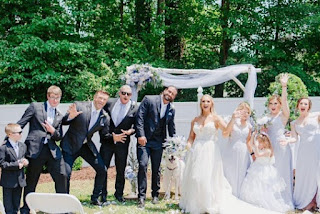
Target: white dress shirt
(119, 111)
(163, 108)
(94, 116)
(15, 146)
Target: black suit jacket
(11, 175)
(148, 117)
(35, 115)
(78, 130)
(127, 122)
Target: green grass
(82, 189)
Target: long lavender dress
(236, 157)
(307, 166)
(283, 157)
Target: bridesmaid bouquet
(263, 123)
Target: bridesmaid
(279, 115)
(236, 157)
(307, 127)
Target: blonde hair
(275, 97)
(261, 137)
(54, 90)
(11, 127)
(212, 102)
(244, 105)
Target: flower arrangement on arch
(139, 75)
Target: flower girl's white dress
(263, 185)
(204, 187)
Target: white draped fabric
(193, 78)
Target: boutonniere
(170, 114)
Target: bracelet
(252, 153)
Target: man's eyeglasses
(17, 132)
(55, 98)
(126, 93)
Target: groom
(154, 116)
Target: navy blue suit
(154, 128)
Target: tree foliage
(84, 45)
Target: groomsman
(86, 118)
(155, 115)
(123, 113)
(45, 130)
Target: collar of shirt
(49, 106)
(163, 108)
(93, 108)
(13, 144)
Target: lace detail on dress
(205, 132)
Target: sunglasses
(17, 132)
(126, 93)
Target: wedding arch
(137, 76)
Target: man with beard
(154, 116)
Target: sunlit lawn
(82, 189)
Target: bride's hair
(262, 137)
(212, 102)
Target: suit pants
(56, 168)
(120, 150)
(95, 161)
(143, 154)
(11, 199)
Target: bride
(204, 187)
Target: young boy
(12, 162)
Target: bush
(296, 89)
(77, 164)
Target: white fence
(185, 112)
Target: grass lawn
(82, 189)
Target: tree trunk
(173, 42)
(225, 43)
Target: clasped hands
(23, 163)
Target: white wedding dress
(204, 187)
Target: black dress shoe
(155, 200)
(103, 198)
(96, 202)
(141, 203)
(121, 199)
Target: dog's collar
(172, 169)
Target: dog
(173, 173)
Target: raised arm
(229, 127)
(26, 117)
(285, 107)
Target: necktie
(16, 149)
(93, 119)
(120, 114)
(51, 114)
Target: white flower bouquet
(131, 172)
(175, 146)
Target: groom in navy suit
(155, 115)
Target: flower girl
(263, 185)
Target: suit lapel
(158, 104)
(44, 113)
(11, 150)
(21, 152)
(88, 116)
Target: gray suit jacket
(78, 130)
(148, 117)
(11, 175)
(35, 115)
